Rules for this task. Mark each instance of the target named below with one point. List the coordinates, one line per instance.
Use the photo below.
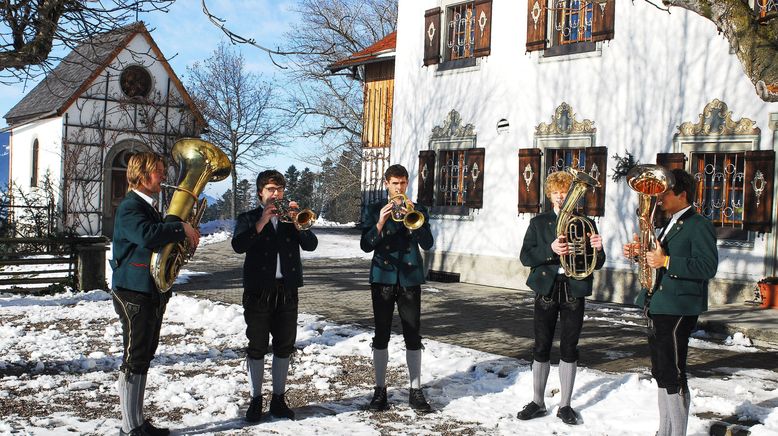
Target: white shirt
(146, 198)
(672, 222)
(274, 221)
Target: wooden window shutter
(529, 180)
(483, 28)
(432, 36)
(758, 197)
(597, 167)
(426, 187)
(603, 20)
(475, 171)
(536, 25)
(671, 161)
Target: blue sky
(186, 35)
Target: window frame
(728, 144)
(457, 212)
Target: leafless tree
(240, 109)
(331, 105)
(32, 31)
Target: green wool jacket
(536, 253)
(396, 255)
(682, 288)
(139, 230)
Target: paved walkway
(490, 319)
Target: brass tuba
(302, 219)
(199, 162)
(412, 219)
(580, 262)
(648, 181)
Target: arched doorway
(115, 186)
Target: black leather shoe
(379, 402)
(418, 402)
(137, 431)
(254, 413)
(530, 411)
(567, 415)
(149, 428)
(279, 409)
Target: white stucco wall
(660, 70)
(48, 132)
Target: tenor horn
(581, 260)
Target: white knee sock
(413, 359)
(380, 360)
(256, 369)
(566, 380)
(540, 372)
(664, 418)
(280, 371)
(129, 391)
(678, 411)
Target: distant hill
(211, 200)
(4, 141)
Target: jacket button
(264, 268)
(661, 287)
(294, 269)
(410, 264)
(290, 254)
(543, 273)
(266, 253)
(387, 247)
(386, 262)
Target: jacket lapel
(153, 212)
(678, 225)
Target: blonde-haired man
(556, 296)
(139, 230)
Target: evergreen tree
(292, 177)
(305, 188)
(244, 196)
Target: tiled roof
(381, 50)
(55, 93)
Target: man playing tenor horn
(556, 296)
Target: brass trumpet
(302, 219)
(412, 219)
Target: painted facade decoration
(109, 98)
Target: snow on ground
(59, 357)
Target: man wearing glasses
(272, 272)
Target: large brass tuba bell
(199, 162)
(648, 181)
(302, 219)
(412, 219)
(580, 262)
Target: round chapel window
(135, 81)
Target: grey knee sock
(664, 418)
(413, 359)
(129, 392)
(380, 360)
(678, 412)
(141, 397)
(256, 369)
(540, 372)
(566, 380)
(280, 370)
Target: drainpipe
(771, 261)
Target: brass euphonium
(412, 219)
(199, 162)
(581, 260)
(648, 181)
(302, 219)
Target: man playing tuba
(556, 296)
(684, 258)
(138, 230)
(272, 273)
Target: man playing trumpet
(272, 273)
(556, 296)
(684, 259)
(396, 275)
